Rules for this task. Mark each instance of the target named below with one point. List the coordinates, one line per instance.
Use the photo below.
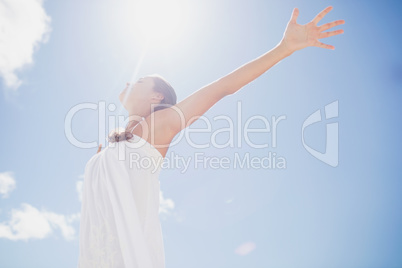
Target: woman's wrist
(282, 46)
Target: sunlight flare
(158, 19)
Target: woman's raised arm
(296, 37)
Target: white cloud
(24, 24)
(31, 223)
(165, 204)
(228, 201)
(7, 184)
(245, 248)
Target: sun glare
(158, 19)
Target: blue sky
(309, 214)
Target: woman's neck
(133, 121)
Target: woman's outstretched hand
(298, 36)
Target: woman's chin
(121, 99)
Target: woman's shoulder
(155, 129)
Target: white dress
(120, 225)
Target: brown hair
(162, 86)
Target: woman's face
(138, 93)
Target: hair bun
(116, 136)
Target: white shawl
(119, 225)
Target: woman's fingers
(99, 148)
(328, 25)
(321, 15)
(320, 44)
(328, 34)
(300, 36)
(295, 14)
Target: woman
(119, 216)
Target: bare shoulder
(157, 130)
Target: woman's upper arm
(187, 111)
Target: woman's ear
(158, 96)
